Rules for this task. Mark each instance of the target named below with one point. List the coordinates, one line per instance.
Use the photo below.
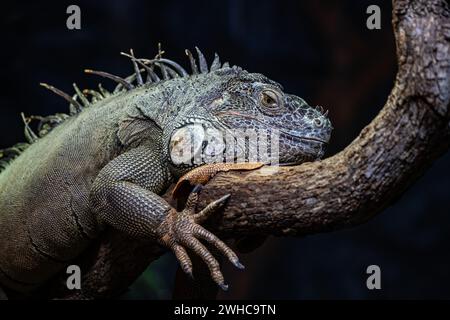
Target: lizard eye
(271, 100)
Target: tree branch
(410, 132)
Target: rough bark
(409, 133)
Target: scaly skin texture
(107, 164)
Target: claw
(210, 209)
(239, 265)
(224, 199)
(223, 286)
(197, 189)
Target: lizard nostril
(318, 122)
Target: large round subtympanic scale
(186, 144)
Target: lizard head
(231, 112)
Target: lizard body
(107, 164)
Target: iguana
(108, 161)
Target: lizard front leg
(124, 196)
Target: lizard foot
(182, 230)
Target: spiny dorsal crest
(155, 70)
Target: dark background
(319, 50)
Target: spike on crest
(136, 69)
(216, 63)
(29, 133)
(81, 95)
(103, 91)
(202, 61)
(117, 79)
(192, 61)
(160, 52)
(78, 107)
